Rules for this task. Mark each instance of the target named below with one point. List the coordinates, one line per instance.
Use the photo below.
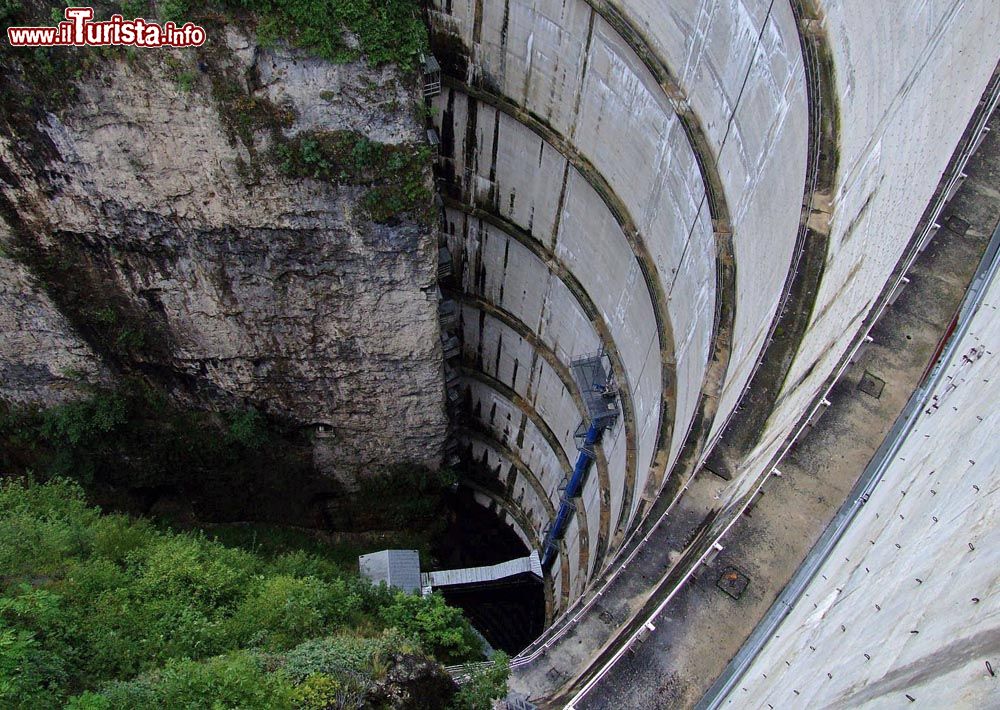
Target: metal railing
(978, 124)
(861, 491)
(560, 627)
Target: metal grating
(432, 76)
(593, 377)
(871, 385)
(733, 582)
(483, 575)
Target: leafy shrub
(388, 31)
(342, 656)
(437, 626)
(117, 536)
(186, 80)
(318, 692)
(175, 11)
(9, 9)
(25, 670)
(236, 680)
(82, 422)
(134, 8)
(41, 526)
(396, 175)
(282, 610)
(248, 429)
(485, 685)
(87, 601)
(193, 569)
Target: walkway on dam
(708, 620)
(933, 448)
(488, 574)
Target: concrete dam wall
(714, 192)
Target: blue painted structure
(583, 462)
(600, 397)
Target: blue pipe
(566, 507)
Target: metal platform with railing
(600, 395)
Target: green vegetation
(121, 614)
(9, 9)
(134, 449)
(485, 685)
(403, 499)
(118, 329)
(248, 429)
(338, 552)
(387, 31)
(439, 627)
(176, 11)
(131, 9)
(396, 174)
(242, 114)
(132, 436)
(186, 80)
(131, 447)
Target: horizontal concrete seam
(564, 375)
(558, 269)
(554, 444)
(515, 460)
(508, 506)
(629, 229)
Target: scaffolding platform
(600, 394)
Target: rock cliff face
(149, 228)
(41, 358)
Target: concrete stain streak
(541, 350)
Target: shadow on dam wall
(509, 614)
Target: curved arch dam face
(608, 190)
(714, 193)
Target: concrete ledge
(788, 328)
(629, 228)
(504, 452)
(715, 377)
(562, 371)
(558, 269)
(554, 444)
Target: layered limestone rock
(156, 195)
(41, 358)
